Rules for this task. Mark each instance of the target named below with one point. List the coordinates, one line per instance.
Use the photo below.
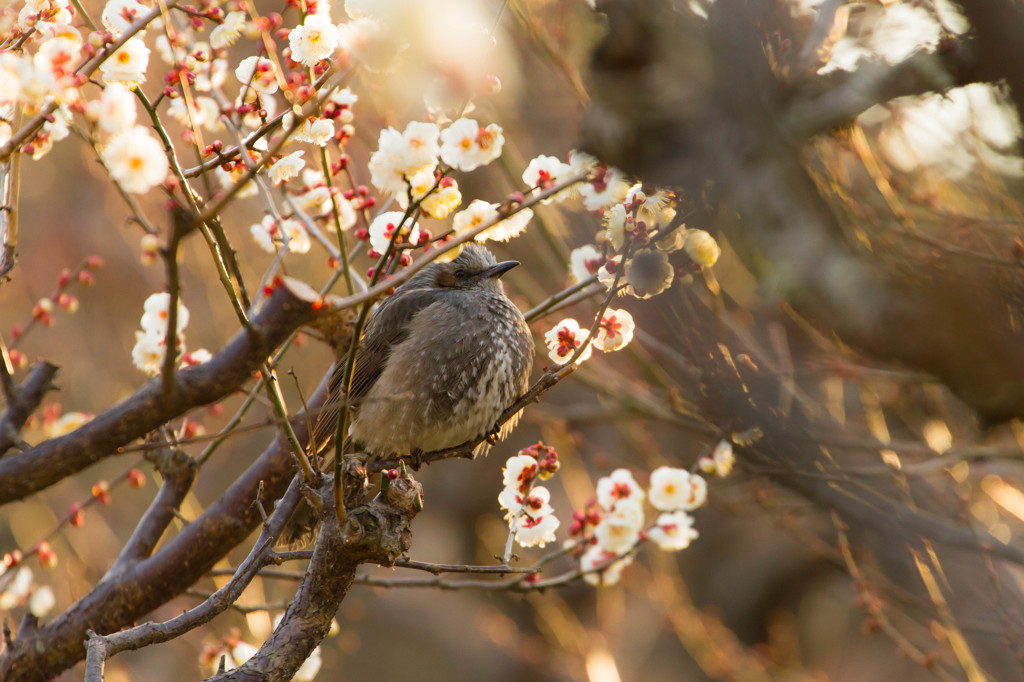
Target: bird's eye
(460, 273)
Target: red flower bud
(136, 478)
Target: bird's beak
(496, 271)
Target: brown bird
(440, 361)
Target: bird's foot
(416, 459)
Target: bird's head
(474, 268)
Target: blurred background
(870, 276)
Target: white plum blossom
(213, 76)
(536, 530)
(614, 222)
(346, 214)
(10, 77)
(580, 161)
(118, 15)
(259, 74)
(58, 58)
(442, 201)
(720, 462)
(42, 601)
(654, 211)
(318, 131)
(315, 39)
(344, 97)
(135, 160)
(466, 145)
(206, 112)
(226, 33)
(546, 171)
(702, 248)
(17, 589)
(115, 108)
(25, 82)
(673, 531)
(597, 556)
(606, 187)
(170, 54)
(287, 167)
(127, 65)
(615, 330)
(585, 261)
(563, 340)
(60, 126)
(148, 352)
(519, 471)
(672, 241)
(619, 485)
(419, 185)
(269, 235)
(401, 155)
(227, 180)
(537, 502)
(68, 423)
(479, 212)
(620, 528)
(156, 313)
(383, 227)
(242, 651)
(673, 489)
(48, 17)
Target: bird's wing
(388, 326)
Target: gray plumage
(438, 363)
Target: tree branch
(179, 472)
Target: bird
(439, 362)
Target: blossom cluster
(634, 253)
(528, 505)
(612, 525)
(608, 530)
(151, 342)
(614, 331)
